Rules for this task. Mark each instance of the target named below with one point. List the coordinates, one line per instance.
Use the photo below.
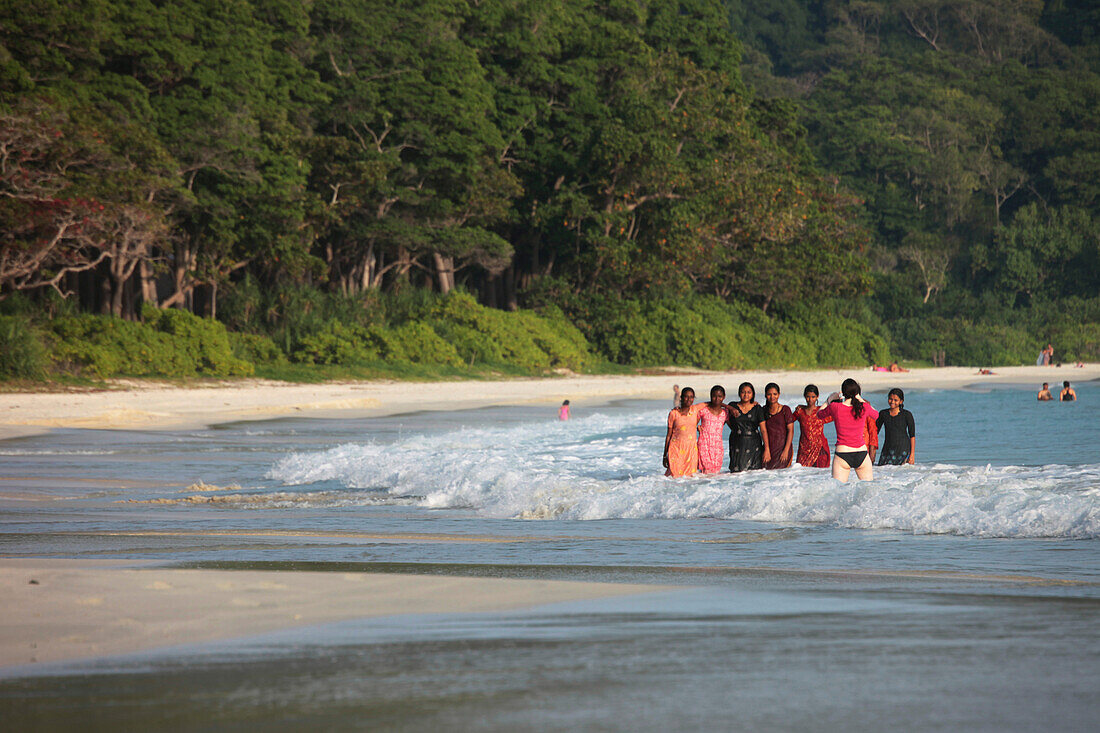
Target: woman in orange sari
(682, 439)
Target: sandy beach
(56, 610)
(70, 609)
(134, 405)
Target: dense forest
(546, 183)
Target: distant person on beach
(813, 448)
(563, 413)
(682, 439)
(1044, 393)
(748, 441)
(850, 421)
(1046, 356)
(877, 368)
(779, 424)
(712, 418)
(899, 442)
(986, 372)
(675, 396)
(895, 368)
(1067, 394)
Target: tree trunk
(445, 272)
(148, 283)
(511, 302)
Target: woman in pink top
(850, 418)
(712, 418)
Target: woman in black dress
(748, 442)
(900, 442)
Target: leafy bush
(471, 345)
(837, 340)
(170, 343)
(623, 335)
(351, 345)
(1076, 343)
(255, 348)
(513, 334)
(562, 342)
(339, 343)
(422, 345)
(290, 314)
(22, 353)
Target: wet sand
(60, 610)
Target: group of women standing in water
(762, 436)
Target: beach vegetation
(168, 343)
(528, 187)
(23, 354)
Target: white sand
(87, 608)
(136, 405)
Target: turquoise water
(961, 592)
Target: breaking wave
(609, 468)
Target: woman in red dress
(813, 448)
(780, 427)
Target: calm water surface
(959, 593)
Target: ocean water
(958, 593)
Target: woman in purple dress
(780, 427)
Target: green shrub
(340, 343)
(291, 313)
(989, 345)
(471, 345)
(838, 340)
(422, 345)
(560, 340)
(357, 345)
(623, 335)
(256, 349)
(1076, 343)
(22, 353)
(170, 343)
(508, 332)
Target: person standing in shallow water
(1067, 394)
(748, 441)
(779, 425)
(813, 448)
(712, 418)
(1044, 393)
(682, 439)
(849, 416)
(899, 442)
(563, 413)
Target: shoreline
(66, 610)
(157, 406)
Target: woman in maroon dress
(780, 427)
(813, 448)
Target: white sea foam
(606, 468)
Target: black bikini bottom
(854, 459)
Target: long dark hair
(811, 388)
(850, 388)
(896, 392)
